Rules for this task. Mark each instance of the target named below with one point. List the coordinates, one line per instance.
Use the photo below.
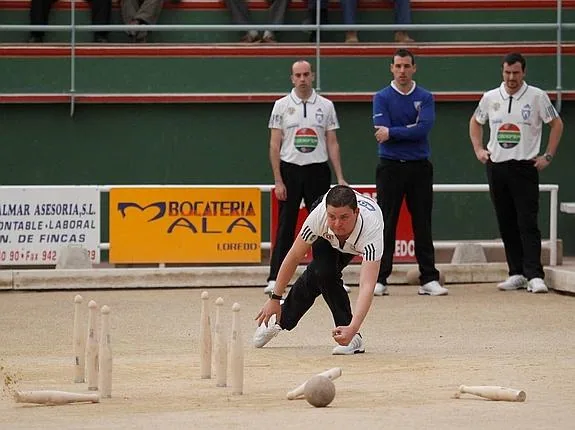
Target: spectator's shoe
(380, 290)
(403, 37)
(432, 288)
(346, 288)
(515, 282)
(269, 37)
(354, 347)
(36, 38)
(250, 37)
(265, 333)
(537, 286)
(270, 288)
(351, 37)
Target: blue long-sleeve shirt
(409, 118)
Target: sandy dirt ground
(418, 351)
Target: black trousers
(321, 276)
(40, 10)
(514, 189)
(308, 182)
(413, 180)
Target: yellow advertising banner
(185, 225)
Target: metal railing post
(553, 227)
(72, 57)
(317, 45)
(558, 57)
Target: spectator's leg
(129, 9)
(148, 13)
(241, 16)
(312, 14)
(277, 13)
(402, 16)
(349, 8)
(101, 11)
(419, 199)
(39, 13)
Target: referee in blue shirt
(403, 114)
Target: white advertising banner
(37, 223)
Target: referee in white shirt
(516, 112)
(303, 137)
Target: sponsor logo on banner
(404, 244)
(185, 225)
(36, 223)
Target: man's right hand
(270, 308)
(482, 155)
(280, 190)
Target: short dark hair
(514, 57)
(341, 196)
(402, 52)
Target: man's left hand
(541, 163)
(343, 334)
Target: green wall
(227, 144)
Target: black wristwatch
(548, 157)
(274, 296)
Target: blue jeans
(402, 10)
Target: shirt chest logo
(305, 140)
(319, 115)
(508, 136)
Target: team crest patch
(496, 106)
(417, 105)
(526, 112)
(319, 115)
(328, 236)
(291, 110)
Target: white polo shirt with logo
(304, 126)
(366, 239)
(515, 121)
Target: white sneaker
(380, 290)
(269, 289)
(537, 286)
(265, 333)
(515, 282)
(432, 288)
(346, 288)
(354, 347)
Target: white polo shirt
(515, 123)
(304, 127)
(366, 238)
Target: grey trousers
(241, 15)
(142, 10)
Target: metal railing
(553, 189)
(558, 26)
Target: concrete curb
(240, 276)
(560, 279)
(6, 280)
(203, 277)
